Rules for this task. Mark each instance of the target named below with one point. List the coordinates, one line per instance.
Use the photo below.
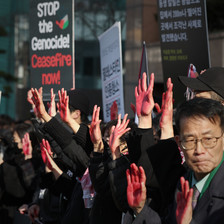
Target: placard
(52, 45)
(111, 70)
(184, 39)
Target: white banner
(111, 70)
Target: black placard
(52, 45)
(184, 39)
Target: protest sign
(184, 39)
(52, 45)
(111, 70)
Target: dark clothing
(104, 209)
(73, 150)
(75, 211)
(209, 208)
(70, 147)
(146, 216)
(19, 179)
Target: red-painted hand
(116, 132)
(63, 105)
(51, 105)
(46, 154)
(27, 147)
(144, 97)
(94, 131)
(38, 102)
(30, 100)
(113, 111)
(167, 106)
(136, 190)
(184, 203)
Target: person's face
(204, 94)
(17, 140)
(106, 135)
(201, 160)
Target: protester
(200, 125)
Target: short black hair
(200, 107)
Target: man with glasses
(200, 123)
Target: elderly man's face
(200, 159)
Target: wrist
(116, 154)
(46, 117)
(98, 147)
(145, 121)
(167, 133)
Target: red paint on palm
(167, 106)
(63, 105)
(184, 203)
(94, 131)
(143, 96)
(27, 147)
(117, 131)
(136, 191)
(46, 153)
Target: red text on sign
(51, 78)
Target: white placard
(111, 70)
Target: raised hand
(144, 101)
(136, 190)
(94, 131)
(27, 146)
(46, 154)
(166, 120)
(116, 132)
(39, 105)
(143, 96)
(184, 203)
(29, 99)
(51, 105)
(114, 111)
(63, 106)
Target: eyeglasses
(207, 143)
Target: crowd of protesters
(164, 167)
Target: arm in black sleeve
(63, 136)
(76, 153)
(118, 181)
(82, 137)
(99, 172)
(58, 131)
(138, 142)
